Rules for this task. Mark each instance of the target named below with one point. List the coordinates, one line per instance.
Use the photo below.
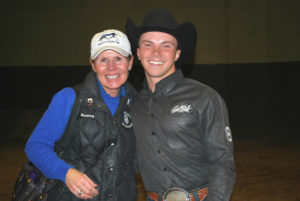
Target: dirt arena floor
(265, 171)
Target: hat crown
(160, 18)
(162, 21)
(110, 39)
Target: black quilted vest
(100, 145)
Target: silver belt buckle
(176, 194)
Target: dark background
(246, 50)
(262, 98)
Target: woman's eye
(118, 59)
(103, 60)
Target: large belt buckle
(176, 194)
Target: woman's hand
(80, 184)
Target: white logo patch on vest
(127, 123)
(90, 101)
(181, 109)
(228, 134)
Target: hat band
(110, 47)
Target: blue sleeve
(40, 145)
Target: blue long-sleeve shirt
(40, 146)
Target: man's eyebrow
(145, 41)
(163, 42)
(171, 42)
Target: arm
(40, 146)
(218, 142)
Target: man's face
(158, 52)
(112, 70)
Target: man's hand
(80, 184)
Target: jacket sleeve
(40, 145)
(218, 143)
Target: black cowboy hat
(161, 20)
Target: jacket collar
(89, 88)
(164, 86)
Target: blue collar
(103, 93)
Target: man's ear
(177, 54)
(138, 52)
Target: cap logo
(108, 38)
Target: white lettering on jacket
(87, 115)
(181, 108)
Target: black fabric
(31, 184)
(102, 146)
(161, 20)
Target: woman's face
(112, 70)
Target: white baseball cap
(110, 39)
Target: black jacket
(183, 138)
(102, 146)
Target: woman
(98, 163)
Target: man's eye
(147, 44)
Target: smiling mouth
(110, 77)
(156, 62)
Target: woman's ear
(130, 63)
(93, 65)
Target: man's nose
(156, 50)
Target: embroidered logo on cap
(108, 38)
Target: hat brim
(189, 41)
(186, 31)
(114, 48)
(133, 35)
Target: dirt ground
(266, 171)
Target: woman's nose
(111, 65)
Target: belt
(202, 193)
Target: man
(181, 125)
